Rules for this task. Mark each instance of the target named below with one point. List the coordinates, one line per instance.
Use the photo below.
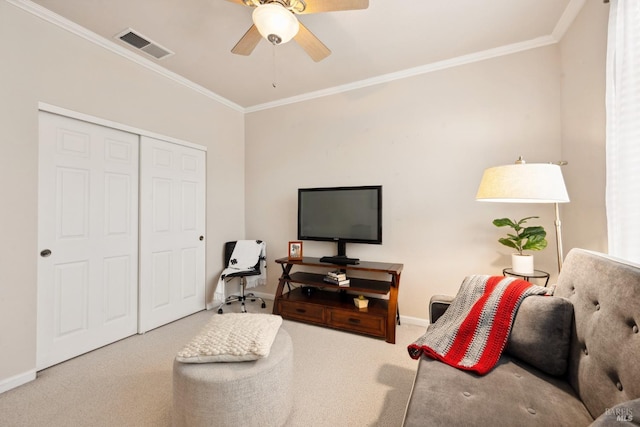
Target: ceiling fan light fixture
(275, 23)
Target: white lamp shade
(275, 23)
(523, 183)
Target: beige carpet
(341, 379)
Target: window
(623, 129)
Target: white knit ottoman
(248, 393)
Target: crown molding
(568, 16)
(72, 27)
(411, 72)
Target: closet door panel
(88, 237)
(172, 219)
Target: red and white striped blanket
(473, 332)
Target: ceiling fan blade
(248, 42)
(311, 44)
(317, 6)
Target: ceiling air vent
(143, 43)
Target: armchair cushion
(541, 333)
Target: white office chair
(228, 251)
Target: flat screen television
(342, 215)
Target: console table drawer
(301, 311)
(359, 322)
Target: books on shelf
(337, 278)
(337, 275)
(343, 283)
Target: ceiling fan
(275, 20)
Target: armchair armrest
(438, 305)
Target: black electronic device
(340, 260)
(308, 290)
(342, 215)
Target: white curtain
(623, 129)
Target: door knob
(45, 253)
(201, 238)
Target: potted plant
(525, 239)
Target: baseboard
(17, 381)
(408, 320)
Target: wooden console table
(332, 306)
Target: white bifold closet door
(87, 291)
(172, 229)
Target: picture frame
(295, 250)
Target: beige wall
(583, 52)
(427, 140)
(43, 63)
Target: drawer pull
(352, 320)
(301, 310)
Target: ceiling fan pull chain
(273, 83)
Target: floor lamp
(527, 183)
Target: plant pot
(361, 303)
(522, 264)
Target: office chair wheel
(264, 305)
(219, 311)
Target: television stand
(331, 305)
(339, 260)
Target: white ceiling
(390, 39)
